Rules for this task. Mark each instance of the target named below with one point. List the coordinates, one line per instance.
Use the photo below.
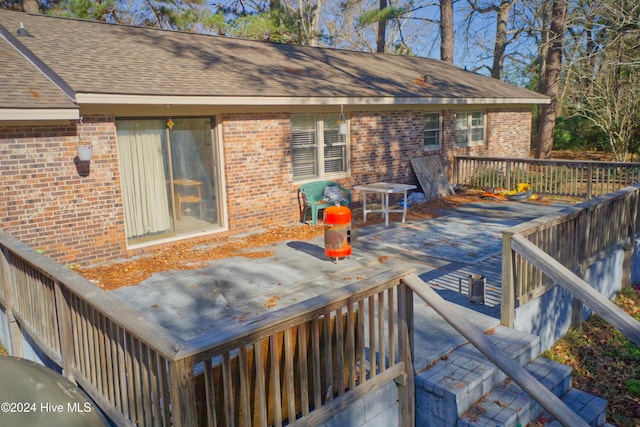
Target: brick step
(591, 408)
(456, 382)
(507, 405)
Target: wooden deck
(296, 366)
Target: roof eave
(112, 99)
(17, 114)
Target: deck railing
(296, 366)
(582, 179)
(574, 237)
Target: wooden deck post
(8, 282)
(406, 386)
(507, 305)
(589, 181)
(65, 330)
(183, 393)
(577, 306)
(628, 247)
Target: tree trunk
(381, 41)
(30, 6)
(543, 48)
(551, 84)
(500, 45)
(446, 31)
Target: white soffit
(97, 98)
(37, 114)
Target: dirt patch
(605, 363)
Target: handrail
(517, 373)
(576, 237)
(610, 312)
(573, 178)
(232, 336)
(553, 161)
(159, 338)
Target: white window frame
(316, 146)
(438, 145)
(467, 128)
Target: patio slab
(441, 250)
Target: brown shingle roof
(101, 58)
(22, 86)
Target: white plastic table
(384, 189)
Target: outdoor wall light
(85, 153)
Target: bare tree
(611, 104)
(308, 14)
(551, 80)
(502, 11)
(604, 81)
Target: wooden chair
(185, 194)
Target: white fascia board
(97, 98)
(37, 114)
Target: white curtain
(144, 183)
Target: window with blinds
(470, 128)
(432, 132)
(318, 148)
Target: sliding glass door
(168, 176)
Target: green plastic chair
(314, 201)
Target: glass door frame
(217, 186)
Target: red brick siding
(508, 135)
(259, 186)
(382, 145)
(49, 205)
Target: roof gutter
(41, 66)
(100, 98)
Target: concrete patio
(460, 242)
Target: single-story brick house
(197, 134)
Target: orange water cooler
(337, 231)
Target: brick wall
(76, 214)
(47, 203)
(508, 135)
(259, 185)
(382, 145)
